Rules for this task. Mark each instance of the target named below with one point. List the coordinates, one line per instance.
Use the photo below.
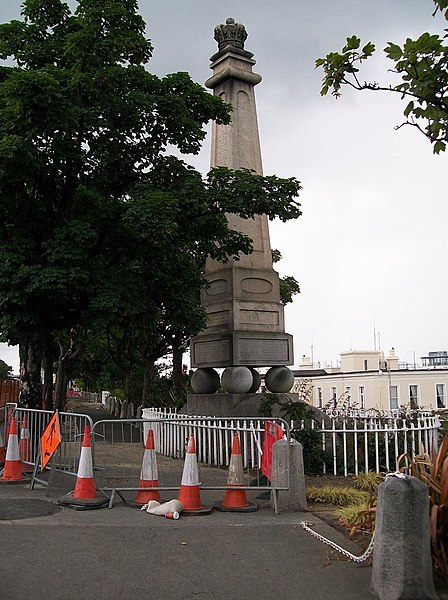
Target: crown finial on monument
(230, 34)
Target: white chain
(307, 526)
(397, 474)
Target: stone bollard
(130, 413)
(117, 407)
(294, 499)
(402, 565)
(124, 410)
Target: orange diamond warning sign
(50, 440)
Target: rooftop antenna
(374, 333)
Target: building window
(366, 365)
(362, 396)
(413, 396)
(319, 397)
(440, 395)
(333, 397)
(348, 395)
(393, 397)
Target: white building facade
(366, 380)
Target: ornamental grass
(432, 469)
(338, 496)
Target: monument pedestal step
(223, 405)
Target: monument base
(223, 405)
(245, 405)
(246, 348)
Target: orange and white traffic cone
(25, 445)
(12, 470)
(84, 495)
(235, 500)
(189, 493)
(148, 475)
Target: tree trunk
(30, 355)
(178, 375)
(68, 354)
(60, 389)
(148, 372)
(48, 373)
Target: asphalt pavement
(126, 553)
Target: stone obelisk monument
(245, 316)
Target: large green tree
(422, 69)
(150, 303)
(94, 222)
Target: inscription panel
(213, 352)
(220, 317)
(259, 317)
(266, 351)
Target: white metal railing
(213, 437)
(357, 444)
(347, 444)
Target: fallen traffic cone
(148, 474)
(172, 515)
(189, 493)
(84, 495)
(12, 471)
(25, 445)
(235, 500)
(170, 510)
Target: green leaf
(393, 51)
(353, 43)
(368, 49)
(409, 108)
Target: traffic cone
(25, 445)
(148, 474)
(12, 471)
(189, 493)
(235, 500)
(170, 510)
(84, 496)
(172, 515)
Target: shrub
(314, 458)
(433, 471)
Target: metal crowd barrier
(66, 458)
(118, 448)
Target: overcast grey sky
(370, 246)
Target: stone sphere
(256, 380)
(279, 379)
(237, 380)
(205, 381)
